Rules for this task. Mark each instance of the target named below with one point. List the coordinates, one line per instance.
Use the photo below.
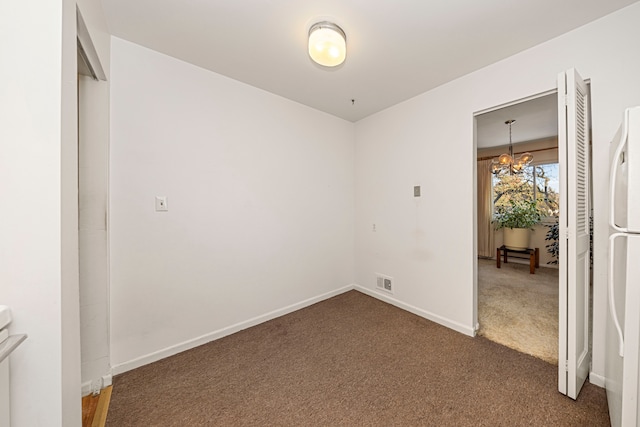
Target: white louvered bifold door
(573, 151)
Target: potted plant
(554, 247)
(517, 220)
(553, 234)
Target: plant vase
(516, 239)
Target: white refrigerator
(623, 320)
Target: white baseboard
(220, 333)
(86, 388)
(100, 383)
(107, 380)
(195, 342)
(596, 379)
(467, 330)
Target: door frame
(475, 190)
(554, 90)
(93, 241)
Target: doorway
(514, 307)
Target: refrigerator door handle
(612, 302)
(614, 170)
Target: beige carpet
(518, 309)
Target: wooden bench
(533, 254)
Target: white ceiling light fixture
(507, 163)
(327, 44)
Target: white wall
(93, 137)
(38, 266)
(413, 144)
(260, 197)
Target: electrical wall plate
(161, 204)
(416, 191)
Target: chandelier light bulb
(504, 159)
(526, 157)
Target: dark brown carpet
(349, 361)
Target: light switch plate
(416, 191)
(161, 204)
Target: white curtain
(486, 247)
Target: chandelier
(507, 163)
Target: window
(537, 182)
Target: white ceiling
(397, 49)
(534, 119)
